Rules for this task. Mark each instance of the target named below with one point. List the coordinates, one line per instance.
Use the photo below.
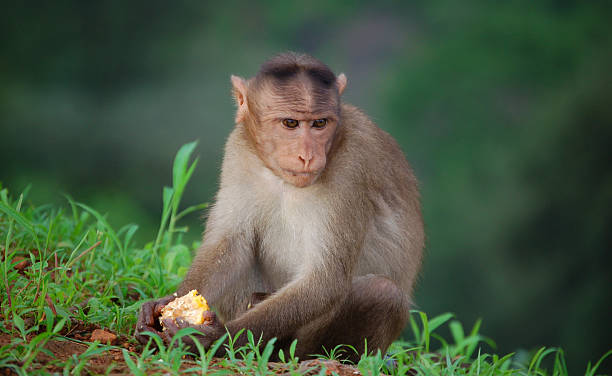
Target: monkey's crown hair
(289, 65)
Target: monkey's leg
(376, 310)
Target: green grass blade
(21, 220)
(179, 169)
(456, 330)
(191, 209)
(425, 323)
(591, 370)
(131, 365)
(107, 227)
(415, 328)
(439, 320)
(473, 334)
(167, 195)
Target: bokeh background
(503, 108)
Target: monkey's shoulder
(368, 143)
(360, 129)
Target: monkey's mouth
(301, 173)
(300, 179)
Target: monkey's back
(394, 239)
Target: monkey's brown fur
(326, 220)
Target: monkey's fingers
(171, 327)
(209, 317)
(161, 303)
(181, 323)
(146, 314)
(143, 338)
(212, 324)
(166, 337)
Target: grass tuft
(66, 271)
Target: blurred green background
(503, 108)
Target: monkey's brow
(313, 114)
(300, 115)
(289, 112)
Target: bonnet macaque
(316, 231)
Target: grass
(66, 268)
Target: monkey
(316, 232)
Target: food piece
(190, 307)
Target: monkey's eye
(290, 123)
(319, 123)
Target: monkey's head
(292, 111)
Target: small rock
(103, 336)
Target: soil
(78, 335)
(77, 339)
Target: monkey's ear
(239, 89)
(341, 82)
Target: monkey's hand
(210, 332)
(148, 319)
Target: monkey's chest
(291, 244)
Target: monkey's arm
(214, 269)
(218, 268)
(210, 264)
(306, 298)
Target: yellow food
(190, 307)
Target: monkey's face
(293, 123)
(295, 145)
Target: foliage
(77, 267)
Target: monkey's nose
(305, 158)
